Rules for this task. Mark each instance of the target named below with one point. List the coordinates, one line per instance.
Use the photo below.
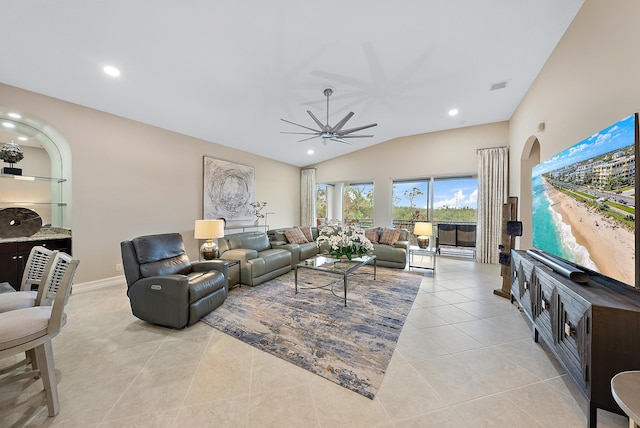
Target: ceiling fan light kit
(327, 132)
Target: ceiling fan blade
(356, 129)
(358, 136)
(340, 124)
(310, 138)
(315, 119)
(301, 133)
(301, 126)
(340, 140)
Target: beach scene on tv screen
(583, 202)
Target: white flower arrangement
(346, 241)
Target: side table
(625, 388)
(417, 257)
(234, 273)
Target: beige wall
(132, 179)
(591, 80)
(447, 153)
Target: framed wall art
(228, 191)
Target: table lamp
(423, 229)
(209, 230)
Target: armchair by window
(167, 289)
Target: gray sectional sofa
(394, 256)
(259, 260)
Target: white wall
(591, 80)
(131, 179)
(447, 153)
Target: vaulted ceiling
(227, 71)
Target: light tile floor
(465, 358)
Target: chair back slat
(35, 268)
(62, 274)
(56, 270)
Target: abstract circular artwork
(228, 190)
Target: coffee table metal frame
(335, 266)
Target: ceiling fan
(327, 132)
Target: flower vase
(257, 222)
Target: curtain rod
(489, 148)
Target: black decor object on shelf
(11, 153)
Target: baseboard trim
(99, 283)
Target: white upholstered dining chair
(30, 330)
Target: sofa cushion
(306, 231)
(295, 236)
(372, 234)
(203, 284)
(253, 240)
(389, 236)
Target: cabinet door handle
(569, 330)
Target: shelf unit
(44, 195)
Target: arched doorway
(529, 158)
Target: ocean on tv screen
(583, 202)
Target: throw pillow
(295, 236)
(306, 231)
(372, 234)
(389, 236)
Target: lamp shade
(423, 228)
(209, 229)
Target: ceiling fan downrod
(327, 93)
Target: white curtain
(308, 197)
(493, 172)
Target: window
(455, 200)
(410, 202)
(357, 204)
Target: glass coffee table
(335, 266)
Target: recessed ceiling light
(23, 138)
(111, 71)
(15, 116)
(453, 112)
(8, 125)
(310, 152)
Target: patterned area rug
(351, 345)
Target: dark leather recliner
(164, 287)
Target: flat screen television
(583, 203)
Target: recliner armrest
(209, 265)
(402, 244)
(242, 254)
